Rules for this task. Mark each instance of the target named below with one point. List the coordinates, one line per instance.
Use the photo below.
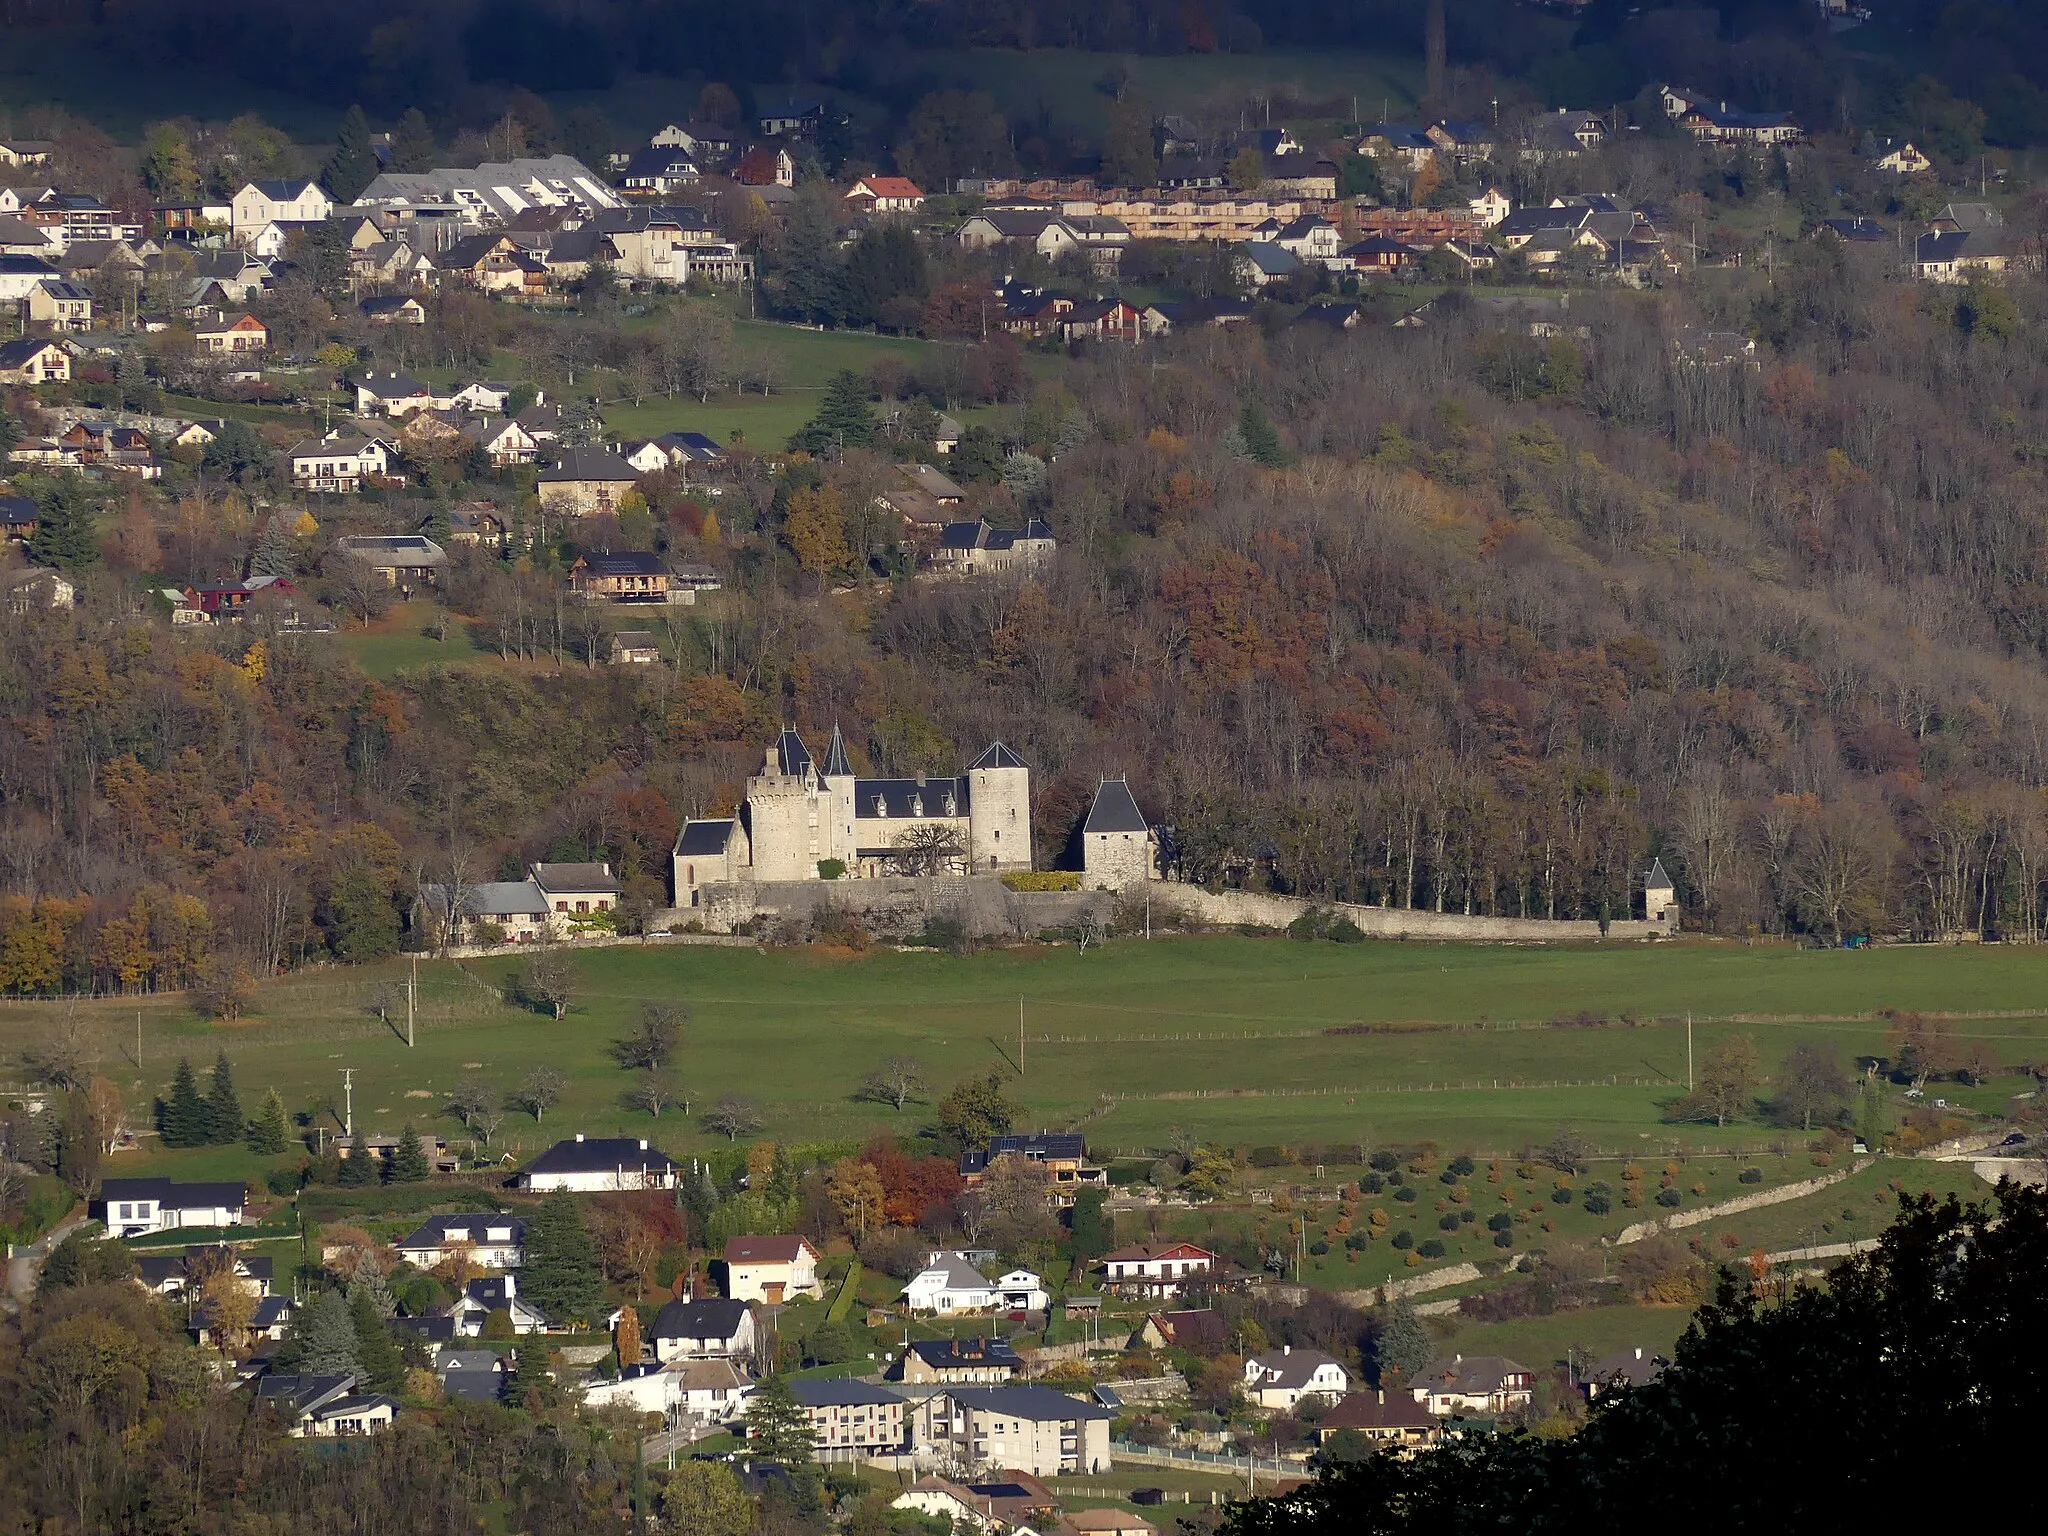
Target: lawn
(399, 640)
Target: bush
(1384, 1161)
(1599, 1200)
(1503, 1239)
(1462, 1166)
(831, 869)
(1750, 1176)
(282, 1182)
(1405, 1194)
(498, 1324)
(1499, 1221)
(1432, 1249)
(1372, 1184)
(1270, 1157)
(1319, 1247)
(1562, 1195)
(1449, 1222)
(1356, 1242)
(1669, 1197)
(1404, 1239)
(1043, 880)
(1467, 1216)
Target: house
(1380, 253)
(765, 166)
(1102, 320)
(1857, 231)
(639, 1385)
(1482, 1385)
(1565, 134)
(1281, 1378)
(1260, 262)
(948, 1283)
(851, 1420)
(952, 1502)
(1155, 1269)
(1199, 1332)
(171, 1274)
(1332, 317)
(59, 305)
(14, 152)
(491, 263)
(586, 480)
(1403, 143)
(1021, 1292)
(496, 911)
(1635, 1367)
(227, 600)
(1032, 1429)
(470, 1375)
(597, 1163)
(393, 309)
(1391, 1419)
(395, 395)
(771, 1269)
(710, 1391)
(503, 440)
(968, 1362)
(1166, 316)
(493, 1293)
(325, 1406)
(1110, 1522)
(793, 118)
(383, 1149)
(1895, 155)
(19, 519)
(476, 522)
(978, 549)
(710, 1328)
(129, 1206)
(340, 464)
(1063, 1155)
(707, 141)
(260, 204)
(36, 590)
(270, 1318)
(1050, 234)
(1490, 207)
(577, 890)
(405, 560)
(885, 194)
(631, 576)
(707, 852)
(1718, 123)
(32, 360)
(1940, 256)
(634, 648)
(1118, 846)
(492, 1239)
(659, 170)
(689, 450)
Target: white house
(948, 1283)
(493, 1240)
(325, 1406)
(1022, 1291)
(339, 464)
(1023, 1428)
(945, 1500)
(713, 1328)
(771, 1269)
(598, 1163)
(1490, 207)
(129, 1206)
(499, 1293)
(1281, 1378)
(1475, 1384)
(1155, 1269)
(262, 203)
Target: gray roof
(839, 1392)
(434, 1230)
(575, 877)
(1115, 810)
(473, 1386)
(590, 464)
(835, 763)
(1656, 876)
(1290, 1368)
(629, 562)
(791, 755)
(944, 1354)
(996, 755)
(176, 1196)
(711, 1318)
(600, 1154)
(704, 839)
(408, 549)
(891, 798)
(1038, 1404)
(502, 188)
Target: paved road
(679, 1439)
(27, 1262)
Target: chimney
(1286, 1349)
(579, 1135)
(1639, 1352)
(643, 1143)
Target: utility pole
(1688, 1053)
(138, 1039)
(348, 1102)
(412, 989)
(1020, 1034)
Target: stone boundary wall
(1234, 908)
(1435, 1280)
(595, 941)
(1821, 1251)
(1764, 1197)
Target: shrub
(1449, 1223)
(1270, 1157)
(498, 1324)
(283, 1182)
(1599, 1200)
(1319, 1247)
(1448, 1176)
(1504, 1239)
(1750, 1176)
(1384, 1161)
(1404, 1239)
(1372, 1184)
(1043, 880)
(1499, 1221)
(1356, 1241)
(1432, 1249)
(1467, 1216)
(1405, 1194)
(831, 869)
(1462, 1166)
(1669, 1197)
(1562, 1195)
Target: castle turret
(998, 811)
(1118, 847)
(836, 804)
(783, 812)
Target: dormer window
(917, 805)
(881, 806)
(952, 806)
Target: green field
(399, 640)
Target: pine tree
(65, 536)
(409, 1165)
(271, 1130)
(182, 1119)
(1261, 443)
(560, 1274)
(532, 1386)
(777, 1424)
(357, 1169)
(382, 1366)
(412, 143)
(224, 1124)
(275, 554)
(813, 283)
(327, 1337)
(1402, 1350)
(843, 419)
(353, 165)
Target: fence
(1161, 1455)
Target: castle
(803, 820)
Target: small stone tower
(1117, 846)
(998, 811)
(782, 812)
(1660, 896)
(836, 804)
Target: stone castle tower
(998, 811)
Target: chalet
(644, 455)
(1063, 1155)
(1035, 315)
(340, 464)
(491, 262)
(771, 1269)
(1482, 1385)
(852, 1421)
(493, 1293)
(1380, 253)
(19, 519)
(226, 602)
(765, 166)
(270, 1318)
(129, 1206)
(885, 194)
(598, 1163)
(1895, 155)
(1565, 134)
(1383, 1418)
(18, 152)
(33, 360)
(979, 549)
(406, 561)
(476, 522)
(713, 1328)
(502, 439)
(631, 576)
(1716, 122)
(487, 397)
(635, 648)
(706, 141)
(393, 309)
(792, 119)
(1281, 1378)
(1403, 143)
(395, 395)
(585, 481)
(492, 1239)
(1200, 1332)
(968, 1362)
(688, 451)
(1461, 140)
(1155, 1269)
(659, 170)
(325, 1406)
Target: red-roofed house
(1155, 1269)
(770, 1269)
(886, 194)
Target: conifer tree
(1261, 443)
(409, 1164)
(224, 1124)
(843, 419)
(65, 536)
(353, 165)
(560, 1274)
(383, 1369)
(327, 1342)
(271, 1130)
(182, 1118)
(777, 1425)
(532, 1386)
(275, 554)
(412, 143)
(356, 1168)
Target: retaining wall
(1233, 908)
(1763, 1197)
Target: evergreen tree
(353, 165)
(382, 1366)
(777, 1425)
(271, 1130)
(236, 451)
(327, 1337)
(811, 285)
(1094, 1231)
(560, 1275)
(276, 554)
(886, 263)
(409, 1165)
(843, 419)
(412, 143)
(182, 1119)
(1402, 1348)
(64, 536)
(532, 1386)
(1261, 443)
(224, 1122)
(588, 136)
(358, 1168)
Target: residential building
(58, 305)
(1032, 1429)
(1480, 1385)
(19, 519)
(1895, 155)
(1155, 1269)
(629, 576)
(170, 1274)
(393, 309)
(659, 171)
(766, 165)
(952, 1502)
(771, 1269)
(1636, 1367)
(502, 439)
(17, 152)
(948, 1283)
(1939, 256)
(1048, 233)
(1715, 121)
(495, 912)
(1110, 1522)
(1201, 1331)
(33, 360)
(1118, 846)
(470, 1375)
(1102, 320)
(710, 1391)
(792, 118)
(129, 1206)
(492, 263)
(406, 561)
(634, 648)
(260, 204)
(966, 1362)
(395, 395)
(710, 1328)
(324, 1407)
(586, 481)
(1395, 1419)
(476, 522)
(1565, 134)
(227, 601)
(885, 194)
(493, 1293)
(1857, 231)
(707, 852)
(577, 890)
(706, 141)
(1260, 262)
(494, 192)
(340, 464)
(36, 590)
(851, 1420)
(981, 549)
(598, 1164)
(1281, 1378)
(492, 1239)
(1404, 144)
(1062, 1155)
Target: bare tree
(1810, 1082)
(547, 982)
(655, 1091)
(650, 1046)
(473, 1098)
(539, 1092)
(65, 1057)
(928, 848)
(1087, 929)
(896, 1081)
(733, 1117)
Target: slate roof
(895, 796)
(1115, 810)
(694, 446)
(590, 464)
(630, 562)
(576, 877)
(1940, 246)
(434, 1230)
(1037, 1404)
(18, 512)
(1633, 1367)
(1377, 1410)
(599, 1154)
(835, 764)
(473, 1386)
(704, 839)
(1477, 1375)
(175, 1196)
(1656, 876)
(966, 1354)
(764, 1250)
(839, 1392)
(791, 755)
(1857, 229)
(996, 755)
(1272, 259)
(1290, 1367)
(711, 1318)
